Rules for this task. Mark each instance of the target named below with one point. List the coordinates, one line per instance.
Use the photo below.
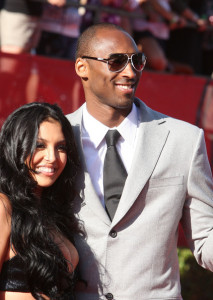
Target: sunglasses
(117, 62)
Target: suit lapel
(93, 201)
(152, 136)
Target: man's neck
(109, 116)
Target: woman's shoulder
(5, 228)
(5, 208)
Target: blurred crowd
(175, 35)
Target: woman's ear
(81, 68)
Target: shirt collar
(96, 131)
(129, 126)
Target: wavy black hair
(35, 219)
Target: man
(132, 254)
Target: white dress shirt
(94, 145)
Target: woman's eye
(62, 148)
(40, 146)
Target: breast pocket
(165, 182)
(165, 198)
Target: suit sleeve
(197, 220)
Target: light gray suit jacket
(170, 181)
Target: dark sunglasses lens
(117, 61)
(138, 60)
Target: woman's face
(50, 156)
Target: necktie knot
(112, 137)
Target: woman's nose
(50, 155)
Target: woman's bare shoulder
(5, 207)
(5, 228)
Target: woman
(38, 164)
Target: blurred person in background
(20, 34)
(185, 44)
(207, 43)
(60, 30)
(152, 32)
(102, 16)
(19, 27)
(121, 20)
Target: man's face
(109, 89)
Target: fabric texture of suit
(170, 181)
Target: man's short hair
(86, 40)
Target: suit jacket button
(113, 233)
(109, 296)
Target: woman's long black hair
(34, 220)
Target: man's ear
(81, 68)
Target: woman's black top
(13, 277)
